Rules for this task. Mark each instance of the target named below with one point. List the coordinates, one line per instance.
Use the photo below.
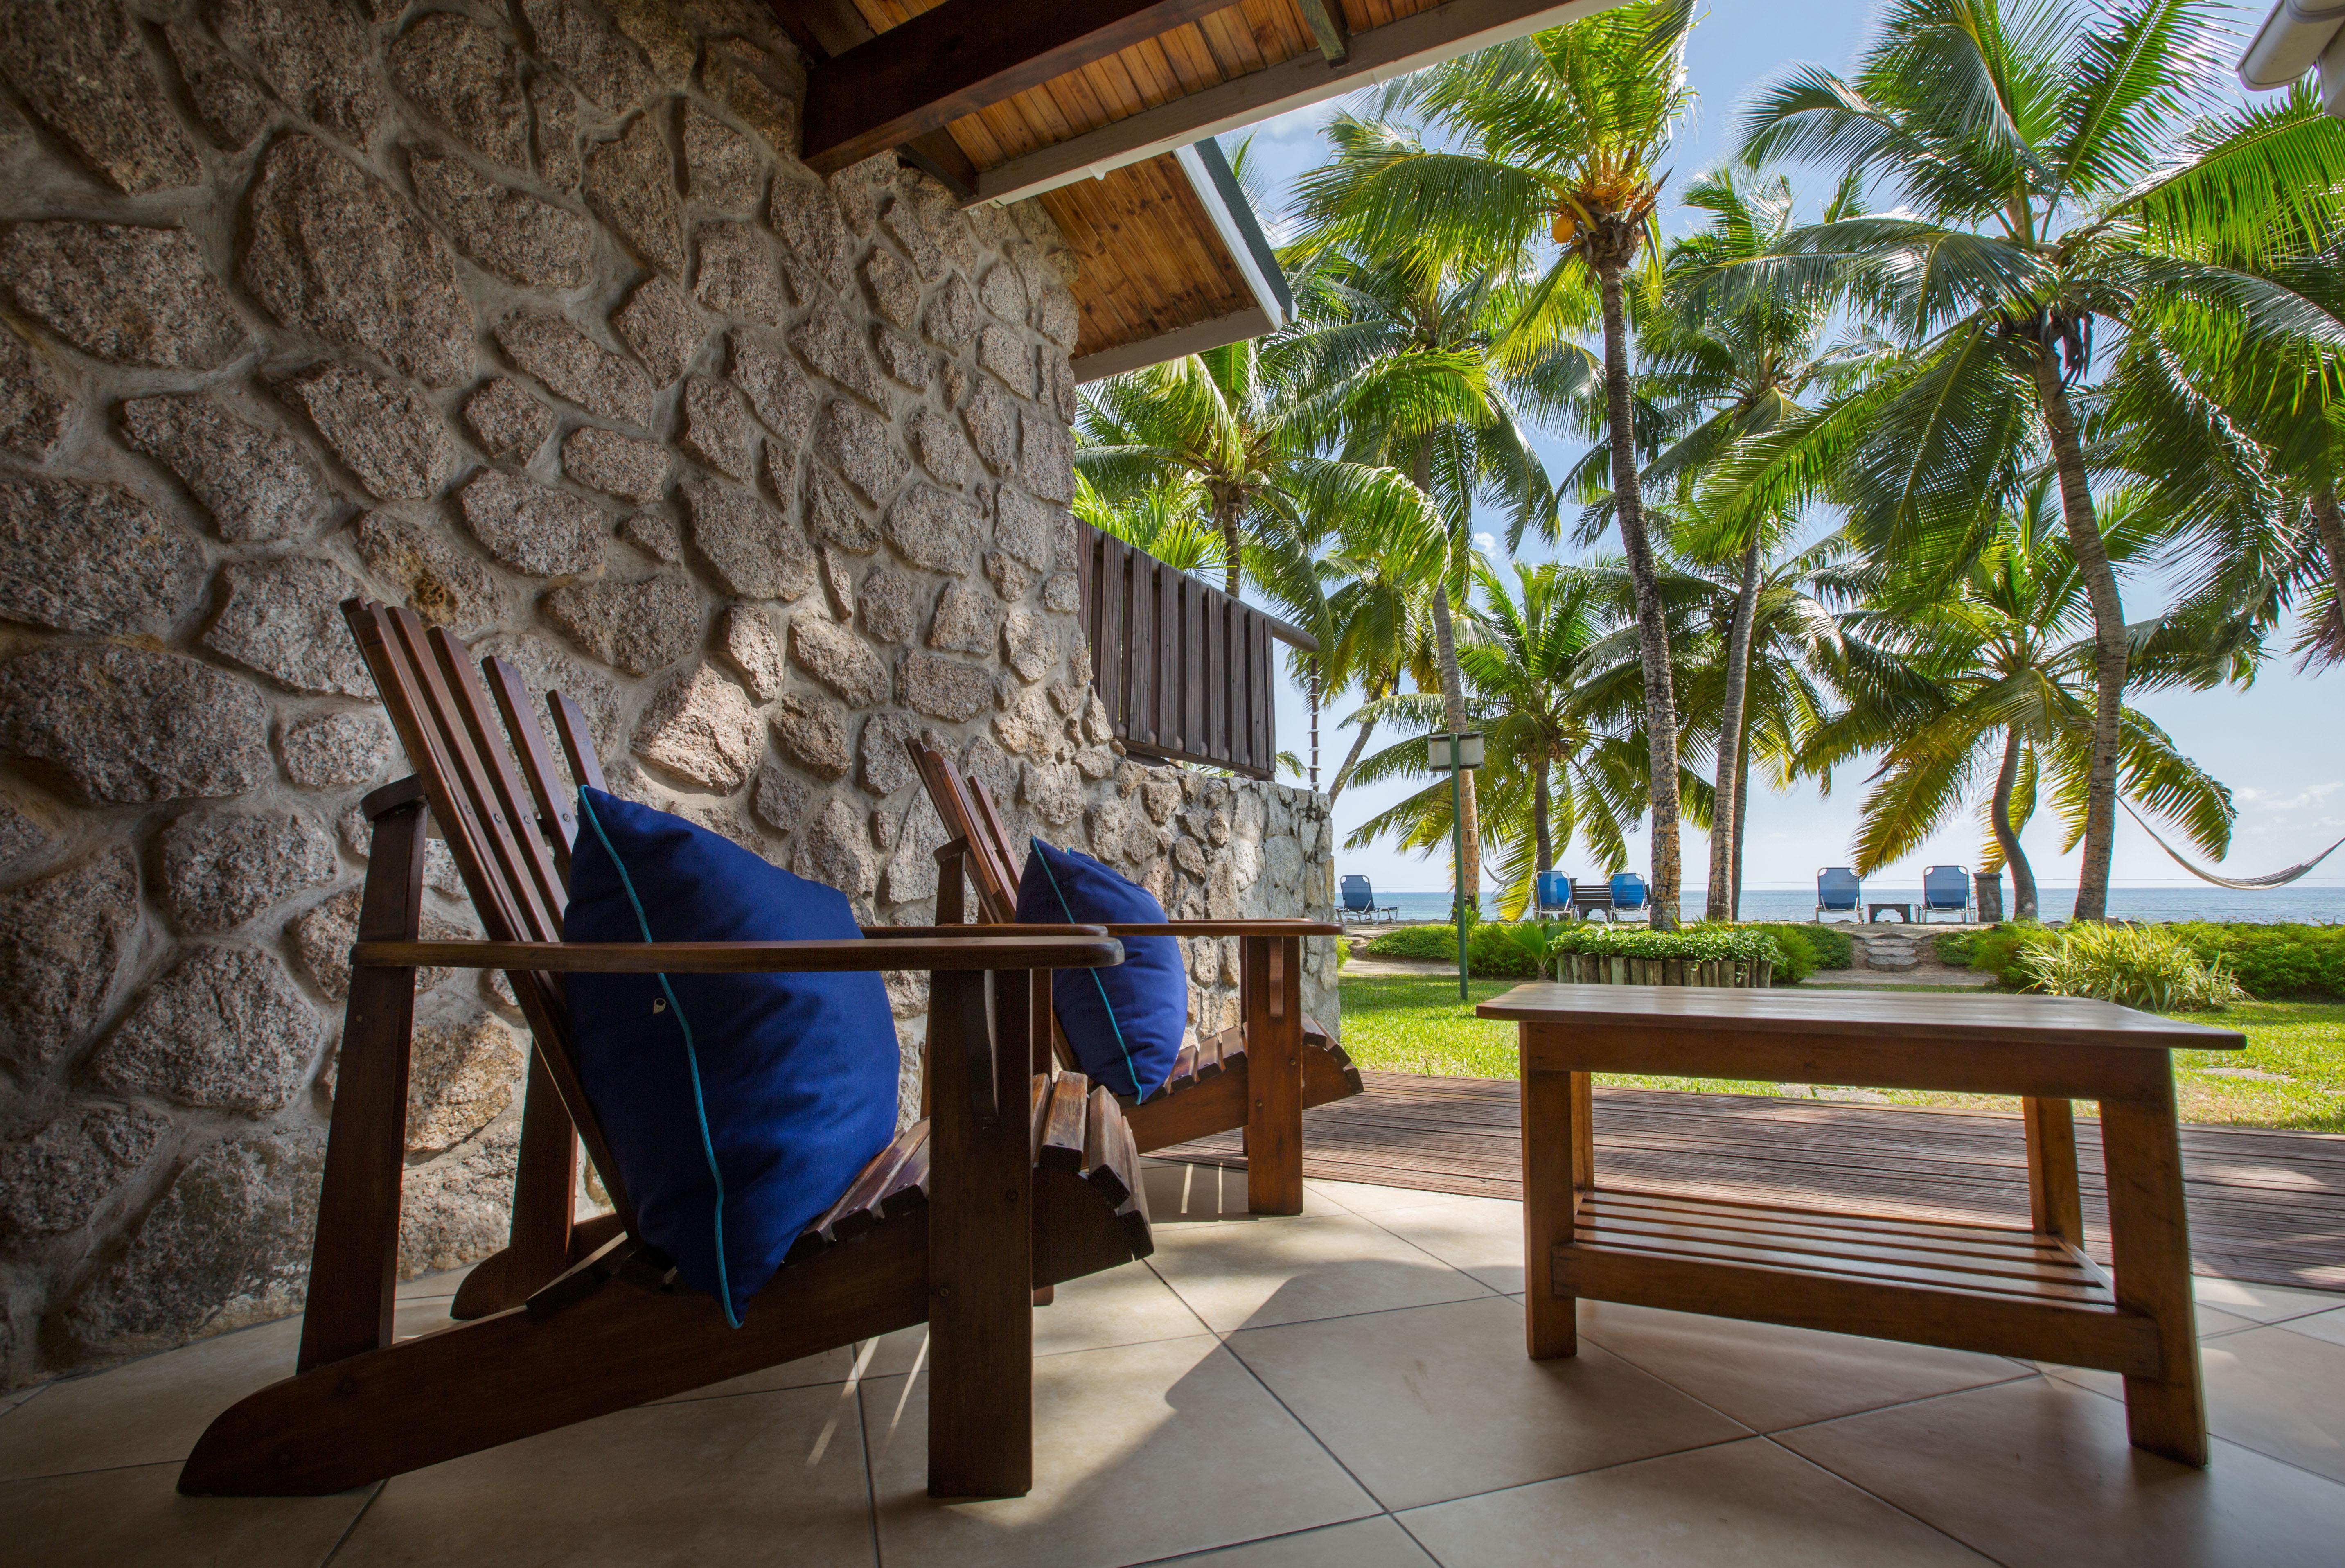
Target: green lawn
(1402, 1024)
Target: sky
(2279, 744)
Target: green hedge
(1697, 943)
(1494, 949)
(2271, 962)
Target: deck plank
(2265, 1207)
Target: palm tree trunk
(2006, 837)
(1453, 698)
(2110, 650)
(1359, 744)
(1726, 819)
(1741, 817)
(2330, 524)
(1227, 517)
(1652, 630)
(1314, 694)
(1542, 805)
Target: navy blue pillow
(738, 1107)
(1125, 1023)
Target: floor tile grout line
(349, 1530)
(870, 1480)
(1203, 1552)
(2212, 1434)
(1292, 1414)
(1859, 1487)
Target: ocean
(2298, 905)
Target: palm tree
(1564, 762)
(1240, 431)
(1996, 680)
(2029, 141)
(1168, 519)
(1710, 379)
(1402, 354)
(1558, 135)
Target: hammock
(2244, 885)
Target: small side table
(1874, 912)
(2029, 1292)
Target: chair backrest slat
(515, 816)
(556, 813)
(431, 750)
(578, 740)
(1010, 864)
(989, 860)
(426, 715)
(501, 861)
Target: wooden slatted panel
(1169, 588)
(1185, 671)
(1139, 651)
(1108, 672)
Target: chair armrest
(1226, 927)
(963, 952)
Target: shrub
(1808, 948)
(1699, 942)
(1997, 951)
(1423, 941)
(1497, 951)
(1494, 949)
(2138, 966)
(2273, 962)
(1954, 947)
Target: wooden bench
(2031, 1293)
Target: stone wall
(525, 315)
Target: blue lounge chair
(1628, 895)
(1360, 900)
(1838, 891)
(1552, 894)
(1946, 889)
(1591, 899)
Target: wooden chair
(1260, 1076)
(1015, 1180)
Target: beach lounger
(1838, 891)
(1946, 889)
(1360, 899)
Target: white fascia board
(2291, 42)
(1178, 343)
(1239, 243)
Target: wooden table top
(2022, 1019)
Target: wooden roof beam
(961, 57)
(1328, 28)
(1378, 54)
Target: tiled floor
(1342, 1390)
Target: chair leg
(1269, 970)
(354, 1262)
(537, 1250)
(981, 1242)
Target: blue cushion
(1125, 1023)
(738, 1107)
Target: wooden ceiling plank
(962, 56)
(1437, 32)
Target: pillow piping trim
(1058, 892)
(691, 1059)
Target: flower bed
(1697, 955)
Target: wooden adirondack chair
(1260, 1076)
(1015, 1180)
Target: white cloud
(1487, 541)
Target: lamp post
(1465, 753)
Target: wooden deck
(2264, 1207)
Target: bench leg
(1559, 1167)
(2056, 1208)
(1270, 971)
(2149, 1237)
